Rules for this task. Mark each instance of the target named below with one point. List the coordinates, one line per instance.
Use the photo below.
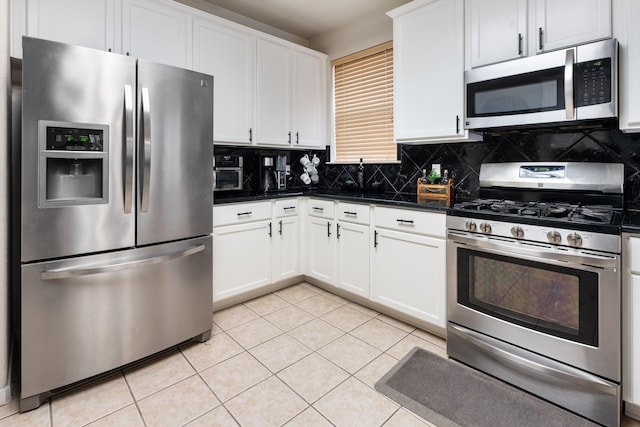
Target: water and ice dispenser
(73, 164)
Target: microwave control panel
(592, 82)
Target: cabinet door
(273, 97)
(631, 339)
(627, 31)
(429, 73)
(409, 274)
(228, 55)
(353, 258)
(158, 31)
(241, 258)
(78, 22)
(565, 23)
(308, 107)
(320, 248)
(286, 235)
(497, 30)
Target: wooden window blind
(363, 106)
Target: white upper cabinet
(497, 30)
(273, 125)
(626, 29)
(290, 93)
(227, 54)
(564, 23)
(308, 95)
(428, 55)
(79, 22)
(157, 31)
(500, 30)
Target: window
(363, 106)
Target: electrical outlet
(436, 168)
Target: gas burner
(544, 210)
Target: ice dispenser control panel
(73, 164)
(74, 139)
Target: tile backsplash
(463, 160)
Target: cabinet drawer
(321, 208)
(240, 213)
(288, 207)
(412, 221)
(353, 212)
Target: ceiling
(305, 18)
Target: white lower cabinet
(353, 249)
(242, 248)
(320, 249)
(631, 324)
(286, 240)
(241, 258)
(409, 267)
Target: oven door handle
(535, 252)
(584, 379)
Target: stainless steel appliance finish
(118, 270)
(534, 299)
(562, 87)
(228, 172)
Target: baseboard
(418, 323)
(255, 293)
(631, 410)
(6, 393)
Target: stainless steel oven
(533, 286)
(228, 172)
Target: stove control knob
(471, 226)
(574, 239)
(517, 232)
(485, 227)
(554, 237)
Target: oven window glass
(228, 179)
(556, 300)
(523, 93)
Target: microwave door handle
(128, 134)
(568, 84)
(146, 149)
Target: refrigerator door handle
(65, 273)
(128, 129)
(146, 148)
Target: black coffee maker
(268, 175)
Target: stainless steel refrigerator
(115, 213)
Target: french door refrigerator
(115, 213)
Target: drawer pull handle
(280, 229)
(375, 239)
(405, 221)
(289, 208)
(351, 213)
(315, 208)
(338, 231)
(270, 230)
(244, 213)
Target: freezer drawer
(87, 315)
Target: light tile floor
(297, 357)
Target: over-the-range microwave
(563, 87)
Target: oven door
(227, 179)
(560, 302)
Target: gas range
(570, 204)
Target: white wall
(5, 82)
(370, 30)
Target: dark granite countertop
(405, 200)
(631, 220)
